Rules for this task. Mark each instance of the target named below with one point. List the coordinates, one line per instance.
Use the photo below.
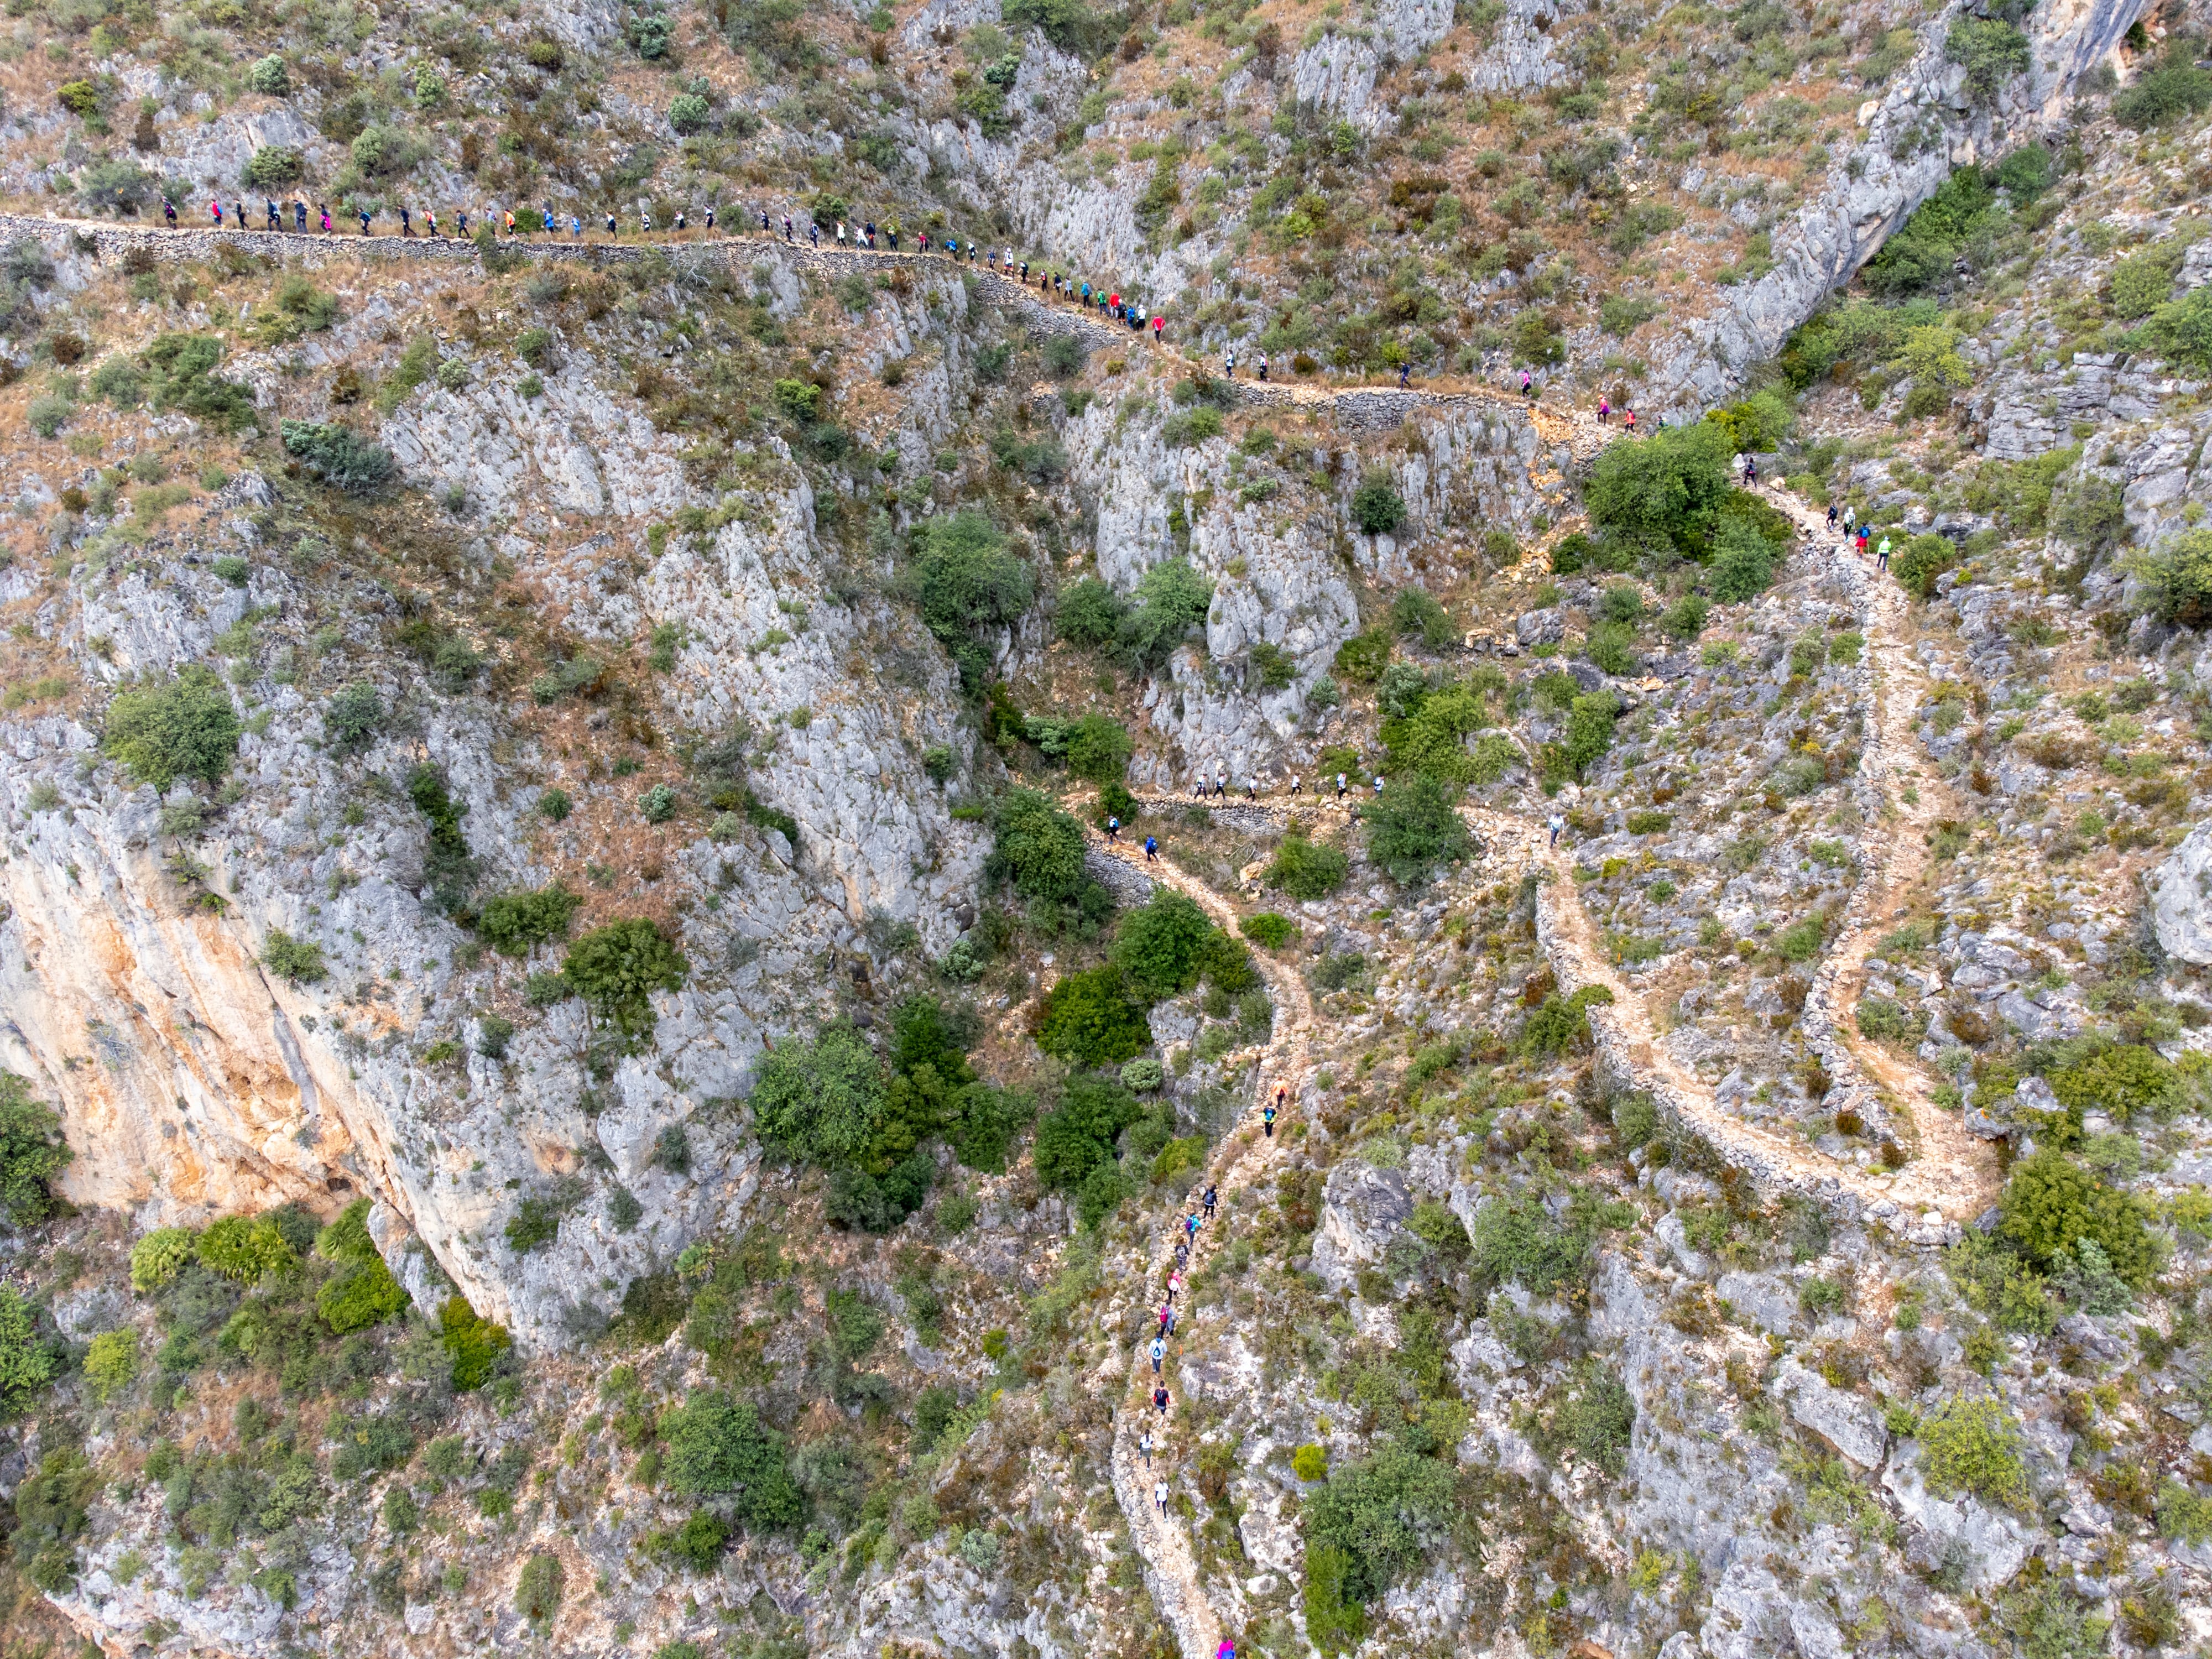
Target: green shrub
(967, 580)
(1666, 487)
(657, 804)
(1742, 563)
(364, 1292)
(111, 1363)
(1376, 507)
(1305, 870)
(27, 1364)
(338, 455)
(1170, 599)
(1076, 1137)
(1921, 560)
(2050, 1203)
(267, 76)
(1597, 1420)
(688, 112)
(1336, 1620)
(538, 1587)
(182, 373)
(1039, 847)
(1090, 613)
(616, 968)
(1186, 427)
(185, 729)
(1590, 720)
(1363, 658)
(822, 1101)
(516, 924)
(474, 1345)
(1991, 51)
(1098, 749)
(245, 1248)
(1515, 1240)
(1972, 1445)
(1161, 947)
(1268, 930)
(297, 961)
(32, 1152)
(272, 167)
(1143, 1075)
(1381, 1512)
(1414, 829)
(2176, 578)
(1923, 250)
(2176, 87)
(160, 1256)
(47, 415)
(1092, 1019)
(2184, 1515)
(1310, 1463)
(717, 1445)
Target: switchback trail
(1242, 1159)
(1950, 1176)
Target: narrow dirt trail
(1950, 1160)
(1242, 1159)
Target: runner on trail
(1404, 369)
(406, 222)
(1267, 1119)
(1220, 785)
(1114, 830)
(169, 212)
(1882, 555)
(1555, 823)
(1628, 419)
(461, 222)
(1294, 783)
(1145, 1447)
(276, 218)
(1527, 386)
(323, 208)
(215, 208)
(1159, 1352)
(1160, 1496)
(364, 222)
(1160, 1400)
(1831, 515)
(1159, 323)
(1151, 849)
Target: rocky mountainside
(651, 874)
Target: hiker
(241, 220)
(1145, 1447)
(1159, 1352)
(892, 232)
(786, 227)
(1527, 386)
(364, 222)
(276, 218)
(1263, 367)
(323, 208)
(1339, 785)
(1831, 515)
(683, 223)
(461, 223)
(1228, 361)
(612, 232)
(1604, 409)
(1404, 369)
(1220, 785)
(1378, 786)
(1628, 419)
(841, 233)
(406, 222)
(813, 235)
(1175, 1283)
(1114, 830)
(1183, 1253)
(1882, 555)
(1161, 323)
(1160, 1400)
(507, 220)
(1750, 471)
(575, 228)
(169, 212)
(710, 221)
(1151, 849)
(1555, 823)
(1294, 783)
(1166, 1314)
(1190, 1224)
(1267, 1119)
(1160, 1496)
(645, 221)
(215, 208)
(1208, 1199)
(430, 218)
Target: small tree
(1376, 507)
(185, 728)
(1415, 830)
(822, 1101)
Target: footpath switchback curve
(1356, 407)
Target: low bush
(1972, 1445)
(1268, 930)
(185, 727)
(1093, 1018)
(1305, 870)
(514, 924)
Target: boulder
(2181, 898)
(1846, 1422)
(1363, 1208)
